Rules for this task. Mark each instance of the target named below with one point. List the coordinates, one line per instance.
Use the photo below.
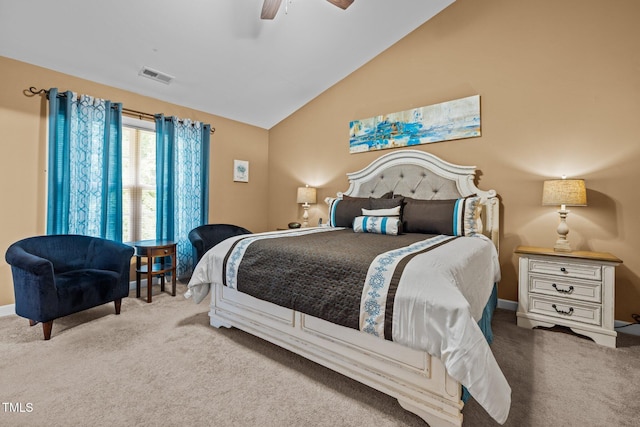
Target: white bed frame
(419, 382)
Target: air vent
(155, 75)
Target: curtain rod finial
(32, 91)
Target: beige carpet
(161, 364)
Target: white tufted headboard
(421, 175)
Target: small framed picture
(241, 170)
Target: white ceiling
(225, 60)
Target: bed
(424, 342)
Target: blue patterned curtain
(182, 180)
(84, 193)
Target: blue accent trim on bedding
(485, 327)
(383, 226)
(456, 218)
(332, 213)
(487, 315)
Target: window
(138, 180)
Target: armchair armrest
(18, 257)
(34, 284)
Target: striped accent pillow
(455, 217)
(377, 225)
(343, 211)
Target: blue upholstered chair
(57, 275)
(207, 236)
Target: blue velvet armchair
(207, 236)
(57, 275)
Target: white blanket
(440, 298)
(438, 303)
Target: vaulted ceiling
(224, 59)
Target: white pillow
(382, 212)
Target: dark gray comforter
(324, 273)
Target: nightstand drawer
(566, 269)
(162, 251)
(566, 310)
(574, 289)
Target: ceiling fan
(270, 7)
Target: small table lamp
(564, 192)
(306, 195)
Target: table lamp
(306, 195)
(564, 192)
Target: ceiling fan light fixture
(270, 8)
(342, 4)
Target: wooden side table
(573, 289)
(162, 251)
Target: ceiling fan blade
(342, 4)
(270, 8)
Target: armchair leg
(118, 304)
(46, 328)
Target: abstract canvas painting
(449, 120)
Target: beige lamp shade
(564, 192)
(306, 194)
(567, 192)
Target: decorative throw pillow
(377, 224)
(385, 203)
(345, 197)
(382, 212)
(384, 196)
(473, 221)
(343, 211)
(455, 217)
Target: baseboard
(7, 310)
(627, 327)
(143, 284)
(507, 304)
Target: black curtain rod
(32, 91)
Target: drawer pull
(564, 270)
(566, 313)
(563, 291)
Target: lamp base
(305, 216)
(562, 245)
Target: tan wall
(23, 128)
(559, 84)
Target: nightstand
(573, 289)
